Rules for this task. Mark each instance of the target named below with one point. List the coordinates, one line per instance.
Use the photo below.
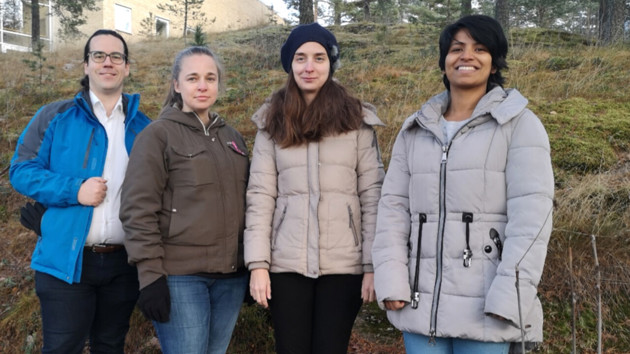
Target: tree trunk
(337, 11)
(306, 11)
(185, 18)
(611, 20)
(502, 13)
(35, 25)
(466, 7)
(366, 10)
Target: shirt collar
(96, 102)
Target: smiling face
(311, 68)
(468, 64)
(198, 84)
(106, 78)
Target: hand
(367, 288)
(92, 191)
(394, 305)
(155, 300)
(260, 286)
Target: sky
(279, 6)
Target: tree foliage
(188, 10)
(606, 20)
(72, 14)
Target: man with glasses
(72, 158)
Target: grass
(579, 92)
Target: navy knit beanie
(310, 33)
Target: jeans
(314, 316)
(418, 343)
(97, 308)
(203, 314)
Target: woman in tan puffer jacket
(314, 186)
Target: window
(122, 18)
(161, 27)
(12, 15)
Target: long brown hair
(291, 122)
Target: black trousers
(314, 315)
(97, 308)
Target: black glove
(155, 300)
(31, 216)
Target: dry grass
(579, 92)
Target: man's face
(106, 78)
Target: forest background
(572, 63)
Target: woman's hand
(394, 305)
(260, 286)
(367, 288)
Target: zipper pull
(415, 299)
(467, 257)
(494, 236)
(444, 150)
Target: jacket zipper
(353, 227)
(440, 245)
(275, 231)
(89, 147)
(415, 297)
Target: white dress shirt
(106, 226)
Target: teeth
(466, 68)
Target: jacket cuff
(258, 265)
(368, 268)
(502, 298)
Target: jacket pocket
(352, 226)
(191, 165)
(277, 227)
(493, 246)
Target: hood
(502, 105)
(189, 118)
(369, 115)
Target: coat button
(488, 249)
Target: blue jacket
(62, 146)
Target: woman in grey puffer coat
(467, 197)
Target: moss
(586, 136)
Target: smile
(466, 68)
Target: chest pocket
(190, 166)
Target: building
(134, 19)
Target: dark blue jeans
(97, 308)
(203, 314)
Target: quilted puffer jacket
(312, 209)
(456, 219)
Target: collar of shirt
(99, 109)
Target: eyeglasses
(115, 57)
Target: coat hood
(502, 105)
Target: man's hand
(260, 286)
(92, 191)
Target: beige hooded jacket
(312, 209)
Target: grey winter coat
(311, 209)
(472, 209)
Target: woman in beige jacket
(315, 182)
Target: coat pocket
(190, 165)
(277, 226)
